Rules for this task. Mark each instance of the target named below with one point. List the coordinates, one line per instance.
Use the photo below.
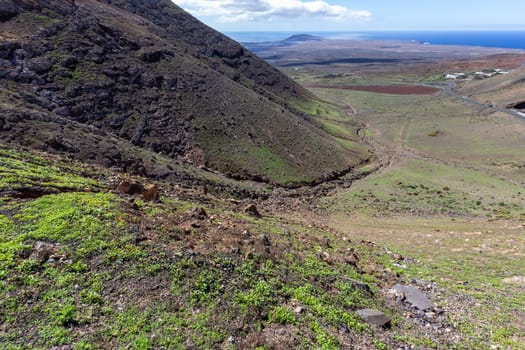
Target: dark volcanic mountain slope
(148, 73)
(222, 53)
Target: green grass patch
(425, 188)
(352, 145)
(320, 109)
(22, 169)
(340, 130)
(282, 315)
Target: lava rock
(199, 213)
(130, 187)
(374, 317)
(42, 251)
(252, 210)
(69, 62)
(151, 193)
(413, 296)
(40, 65)
(7, 10)
(264, 240)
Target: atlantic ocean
(511, 39)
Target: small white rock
(298, 309)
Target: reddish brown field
(386, 89)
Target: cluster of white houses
(478, 75)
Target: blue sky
(338, 15)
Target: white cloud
(253, 10)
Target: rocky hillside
(92, 77)
(92, 258)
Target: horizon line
(377, 30)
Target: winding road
(448, 89)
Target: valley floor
(447, 194)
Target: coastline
(507, 39)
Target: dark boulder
(130, 187)
(199, 213)
(252, 210)
(69, 62)
(7, 10)
(152, 54)
(40, 65)
(151, 193)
